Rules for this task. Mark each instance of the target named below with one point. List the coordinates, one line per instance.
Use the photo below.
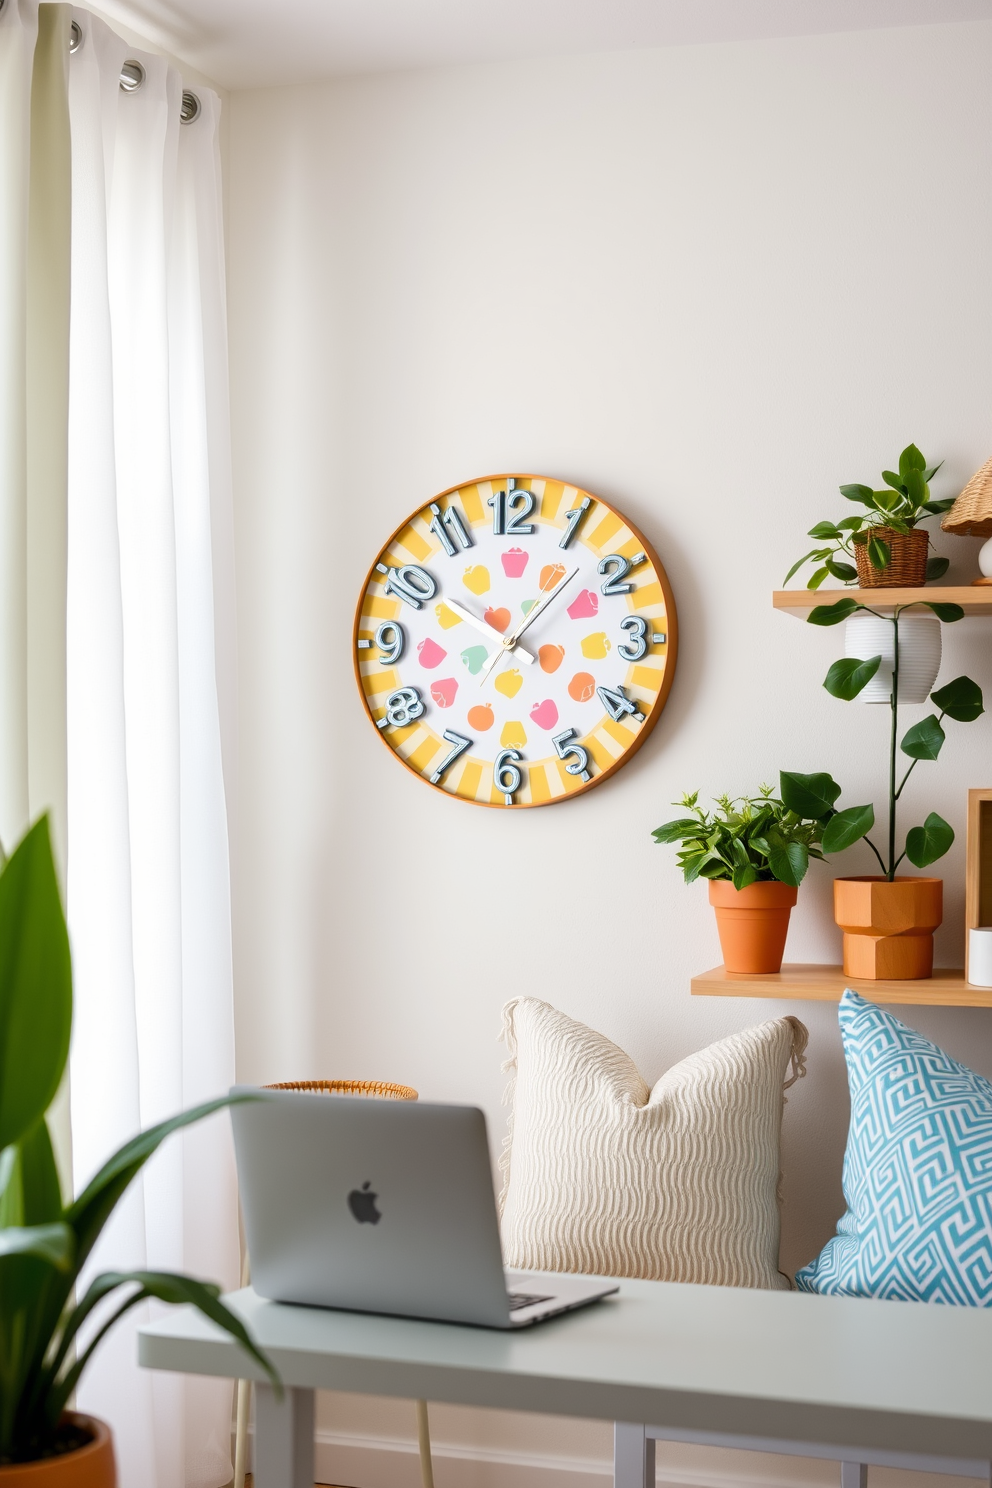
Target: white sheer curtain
(148, 882)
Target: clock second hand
(511, 640)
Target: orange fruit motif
(582, 687)
(551, 657)
(552, 574)
(481, 717)
(498, 619)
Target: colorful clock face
(515, 641)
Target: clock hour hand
(510, 642)
(485, 628)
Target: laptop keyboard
(524, 1299)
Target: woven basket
(381, 1088)
(907, 566)
(971, 514)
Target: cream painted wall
(710, 284)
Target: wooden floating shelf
(826, 983)
(973, 599)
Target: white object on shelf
(985, 558)
(980, 958)
(919, 654)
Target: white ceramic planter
(919, 655)
(985, 558)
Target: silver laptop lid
(373, 1205)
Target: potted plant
(888, 919)
(44, 1243)
(755, 851)
(888, 547)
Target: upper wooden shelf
(826, 983)
(973, 599)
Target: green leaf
(946, 612)
(851, 524)
(937, 567)
(844, 571)
(926, 844)
(891, 479)
(924, 740)
(878, 552)
(937, 508)
(847, 827)
(824, 529)
(832, 614)
(911, 459)
(30, 1194)
(52, 1243)
(929, 474)
(678, 831)
(886, 501)
(916, 487)
(848, 676)
(35, 985)
(91, 1210)
(816, 579)
(960, 699)
(809, 796)
(743, 875)
(864, 494)
(798, 565)
(789, 864)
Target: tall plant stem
(890, 871)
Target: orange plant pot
(888, 927)
(89, 1466)
(752, 924)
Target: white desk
(891, 1383)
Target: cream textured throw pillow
(678, 1183)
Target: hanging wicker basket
(971, 514)
(907, 565)
(380, 1088)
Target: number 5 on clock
(580, 765)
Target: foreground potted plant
(755, 851)
(44, 1243)
(888, 919)
(886, 543)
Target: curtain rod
(133, 75)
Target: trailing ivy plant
(748, 839)
(960, 700)
(904, 501)
(44, 1242)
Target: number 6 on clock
(506, 774)
(580, 765)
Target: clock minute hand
(484, 627)
(510, 641)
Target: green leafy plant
(44, 1243)
(960, 700)
(904, 501)
(748, 839)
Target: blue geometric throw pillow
(917, 1171)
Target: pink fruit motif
(481, 717)
(430, 653)
(498, 619)
(584, 605)
(582, 687)
(545, 714)
(551, 574)
(443, 691)
(551, 657)
(514, 561)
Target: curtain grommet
(190, 110)
(132, 75)
(75, 35)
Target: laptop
(383, 1206)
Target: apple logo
(361, 1202)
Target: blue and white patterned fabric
(917, 1171)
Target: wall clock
(515, 641)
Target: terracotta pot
(752, 924)
(888, 927)
(907, 565)
(90, 1466)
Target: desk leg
(283, 1438)
(633, 1456)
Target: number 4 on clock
(617, 703)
